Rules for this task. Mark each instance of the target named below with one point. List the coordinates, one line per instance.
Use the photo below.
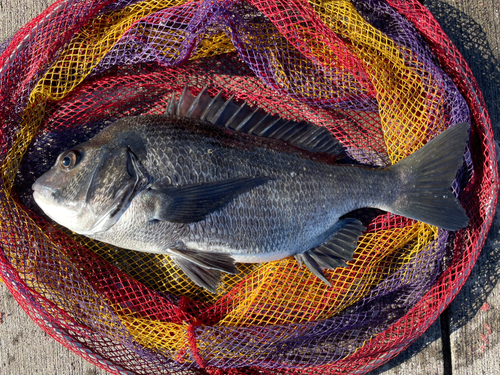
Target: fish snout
(41, 191)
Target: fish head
(90, 186)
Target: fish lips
(45, 199)
(48, 197)
(41, 192)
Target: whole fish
(211, 183)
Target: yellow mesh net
(276, 293)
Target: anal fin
(335, 251)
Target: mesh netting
(379, 74)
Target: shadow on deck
(471, 40)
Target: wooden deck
(463, 341)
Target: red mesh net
(380, 75)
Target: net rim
(479, 103)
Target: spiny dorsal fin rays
(184, 102)
(241, 118)
(254, 127)
(200, 102)
(172, 104)
(241, 109)
(221, 114)
(212, 107)
(245, 121)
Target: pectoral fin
(192, 203)
(334, 252)
(203, 268)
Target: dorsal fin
(241, 118)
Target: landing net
(379, 74)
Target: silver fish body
(210, 195)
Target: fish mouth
(41, 191)
(44, 197)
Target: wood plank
(14, 14)
(423, 357)
(26, 349)
(474, 27)
(475, 315)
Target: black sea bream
(211, 183)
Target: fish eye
(69, 159)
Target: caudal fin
(427, 176)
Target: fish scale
(210, 195)
(224, 163)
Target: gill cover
(118, 178)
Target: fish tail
(426, 177)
